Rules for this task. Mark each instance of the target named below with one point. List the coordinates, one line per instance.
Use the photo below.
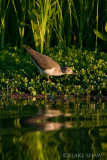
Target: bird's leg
(48, 78)
(38, 77)
(49, 81)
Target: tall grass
(40, 14)
(20, 16)
(3, 10)
(96, 25)
(46, 23)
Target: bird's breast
(50, 71)
(53, 72)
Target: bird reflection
(44, 121)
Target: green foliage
(40, 13)
(18, 74)
(101, 35)
(51, 22)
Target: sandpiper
(47, 65)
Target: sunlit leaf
(106, 27)
(101, 35)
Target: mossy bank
(18, 74)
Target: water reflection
(43, 121)
(53, 129)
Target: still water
(53, 129)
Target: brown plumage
(47, 65)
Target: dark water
(38, 129)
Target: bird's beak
(75, 74)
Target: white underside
(50, 71)
(47, 71)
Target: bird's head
(68, 70)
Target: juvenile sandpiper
(47, 65)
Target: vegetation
(81, 126)
(48, 23)
(101, 35)
(20, 75)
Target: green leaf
(106, 27)
(101, 35)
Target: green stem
(96, 49)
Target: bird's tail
(26, 47)
(29, 49)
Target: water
(53, 129)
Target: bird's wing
(41, 60)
